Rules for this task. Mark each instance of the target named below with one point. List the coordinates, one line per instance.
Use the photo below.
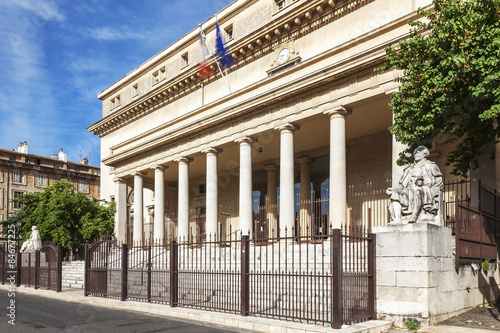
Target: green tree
(451, 80)
(63, 215)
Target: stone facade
(21, 172)
(303, 116)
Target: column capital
(118, 180)
(304, 160)
(246, 140)
(212, 150)
(160, 167)
(139, 173)
(184, 159)
(338, 111)
(270, 167)
(289, 127)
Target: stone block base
(417, 280)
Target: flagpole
(224, 77)
(226, 80)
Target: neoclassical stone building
(300, 118)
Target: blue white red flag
(221, 50)
(204, 70)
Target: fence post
(174, 282)
(372, 243)
(124, 265)
(37, 267)
(458, 214)
(59, 268)
(245, 277)
(86, 274)
(336, 263)
(149, 272)
(18, 257)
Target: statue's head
(33, 228)
(420, 152)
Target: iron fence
(459, 189)
(103, 269)
(42, 268)
(476, 229)
(367, 207)
(297, 278)
(9, 264)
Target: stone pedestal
(414, 265)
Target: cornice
(296, 89)
(301, 21)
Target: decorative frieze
(287, 28)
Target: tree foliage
(451, 80)
(63, 215)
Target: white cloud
(45, 9)
(110, 34)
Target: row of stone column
(338, 186)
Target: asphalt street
(40, 314)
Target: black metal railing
(294, 278)
(38, 269)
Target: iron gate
(103, 273)
(48, 267)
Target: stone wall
(417, 280)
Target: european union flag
(221, 50)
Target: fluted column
(245, 202)
(338, 178)
(183, 192)
(121, 210)
(287, 183)
(272, 200)
(138, 207)
(212, 203)
(305, 196)
(159, 217)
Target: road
(39, 314)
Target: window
(38, 162)
(12, 157)
(115, 102)
(229, 32)
(17, 195)
(18, 177)
(40, 180)
(83, 186)
(280, 4)
(159, 75)
(184, 60)
(135, 90)
(77, 168)
(202, 188)
(56, 165)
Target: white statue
(34, 243)
(418, 196)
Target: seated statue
(34, 243)
(418, 196)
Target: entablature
(298, 22)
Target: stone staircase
(73, 273)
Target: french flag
(204, 70)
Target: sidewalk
(233, 321)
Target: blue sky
(57, 55)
